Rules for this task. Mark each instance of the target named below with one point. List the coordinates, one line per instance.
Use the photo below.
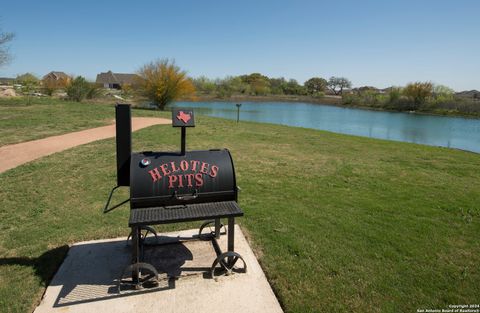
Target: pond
(451, 132)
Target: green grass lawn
(48, 117)
(339, 223)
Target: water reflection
(452, 132)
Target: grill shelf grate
(184, 213)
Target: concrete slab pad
(87, 281)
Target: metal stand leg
(135, 253)
(141, 273)
(216, 225)
(217, 228)
(147, 230)
(231, 238)
(227, 260)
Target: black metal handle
(186, 197)
(107, 209)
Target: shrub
(457, 104)
(350, 99)
(94, 91)
(127, 90)
(29, 84)
(50, 85)
(78, 89)
(394, 95)
(319, 94)
(204, 85)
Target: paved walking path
(17, 154)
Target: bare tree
(5, 56)
(337, 84)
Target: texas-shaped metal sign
(182, 118)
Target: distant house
(116, 80)
(363, 89)
(6, 81)
(472, 94)
(56, 79)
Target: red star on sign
(184, 117)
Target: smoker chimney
(123, 119)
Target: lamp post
(238, 111)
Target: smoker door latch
(194, 195)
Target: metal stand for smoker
(145, 275)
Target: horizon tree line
(162, 82)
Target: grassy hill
(339, 223)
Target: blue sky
(379, 43)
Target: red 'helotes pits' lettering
(199, 180)
(184, 165)
(204, 168)
(213, 171)
(184, 174)
(172, 179)
(165, 170)
(155, 174)
(189, 179)
(194, 165)
(174, 168)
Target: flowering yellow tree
(418, 93)
(162, 82)
(49, 85)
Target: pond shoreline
(455, 132)
(326, 100)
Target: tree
(230, 85)
(29, 84)
(259, 84)
(418, 92)
(442, 91)
(27, 78)
(163, 82)
(49, 85)
(315, 85)
(394, 94)
(5, 56)
(78, 89)
(277, 85)
(337, 84)
(292, 87)
(204, 85)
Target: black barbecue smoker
(171, 187)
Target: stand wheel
(144, 231)
(227, 263)
(207, 230)
(146, 277)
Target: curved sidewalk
(17, 154)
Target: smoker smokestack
(123, 119)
